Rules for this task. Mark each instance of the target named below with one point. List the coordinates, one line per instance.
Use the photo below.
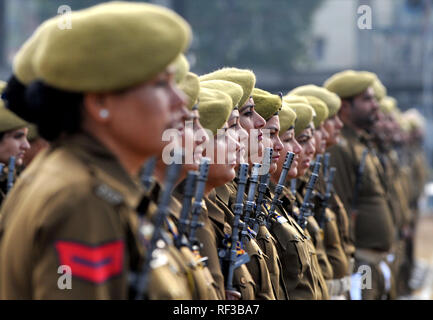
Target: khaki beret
(333, 102)
(379, 90)
(291, 98)
(232, 89)
(266, 103)
(415, 119)
(287, 118)
(320, 109)
(387, 105)
(182, 68)
(403, 122)
(245, 78)
(190, 85)
(214, 108)
(349, 83)
(304, 116)
(111, 46)
(8, 119)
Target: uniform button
(267, 236)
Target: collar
(104, 166)
(223, 193)
(213, 211)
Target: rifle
(196, 206)
(188, 191)
(260, 216)
(280, 186)
(358, 180)
(326, 159)
(172, 174)
(293, 186)
(1, 170)
(249, 204)
(229, 255)
(11, 169)
(327, 197)
(146, 176)
(304, 210)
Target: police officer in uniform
(358, 183)
(75, 205)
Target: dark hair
(54, 111)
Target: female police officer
(104, 87)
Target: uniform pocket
(292, 252)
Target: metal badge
(108, 194)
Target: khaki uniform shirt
(330, 234)
(372, 219)
(75, 206)
(205, 286)
(297, 254)
(221, 221)
(257, 265)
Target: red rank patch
(92, 263)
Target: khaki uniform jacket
(346, 230)
(296, 252)
(317, 234)
(331, 236)
(264, 240)
(75, 206)
(205, 287)
(372, 219)
(257, 265)
(221, 221)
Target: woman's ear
(97, 107)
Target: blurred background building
(286, 42)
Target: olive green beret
(111, 46)
(214, 108)
(266, 103)
(287, 118)
(232, 89)
(379, 90)
(320, 109)
(414, 119)
(291, 98)
(8, 119)
(245, 78)
(349, 83)
(403, 122)
(304, 116)
(190, 85)
(387, 105)
(333, 102)
(182, 68)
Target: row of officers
(315, 196)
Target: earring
(104, 113)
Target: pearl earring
(104, 113)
